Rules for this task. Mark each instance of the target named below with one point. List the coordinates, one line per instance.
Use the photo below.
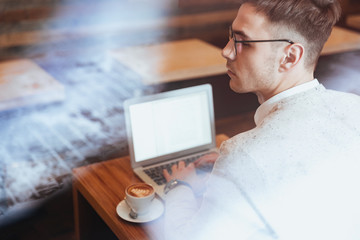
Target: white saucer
(156, 210)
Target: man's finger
(191, 165)
(167, 175)
(200, 161)
(206, 159)
(181, 165)
(174, 167)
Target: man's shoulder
(339, 102)
(321, 92)
(338, 92)
(314, 101)
(294, 118)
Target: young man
(296, 174)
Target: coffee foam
(140, 191)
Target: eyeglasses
(232, 37)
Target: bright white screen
(170, 125)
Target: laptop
(167, 127)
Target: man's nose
(228, 51)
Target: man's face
(253, 67)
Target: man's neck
(285, 83)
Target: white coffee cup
(139, 197)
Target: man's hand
(206, 161)
(188, 173)
(181, 172)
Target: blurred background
(78, 117)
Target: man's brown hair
(313, 20)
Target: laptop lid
(170, 125)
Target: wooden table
(97, 190)
(341, 40)
(24, 83)
(172, 61)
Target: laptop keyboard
(156, 173)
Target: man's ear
(293, 54)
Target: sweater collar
(265, 108)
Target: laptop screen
(171, 122)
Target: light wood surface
(341, 40)
(353, 21)
(173, 61)
(23, 82)
(103, 186)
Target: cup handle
(132, 212)
(128, 204)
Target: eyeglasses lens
(232, 38)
